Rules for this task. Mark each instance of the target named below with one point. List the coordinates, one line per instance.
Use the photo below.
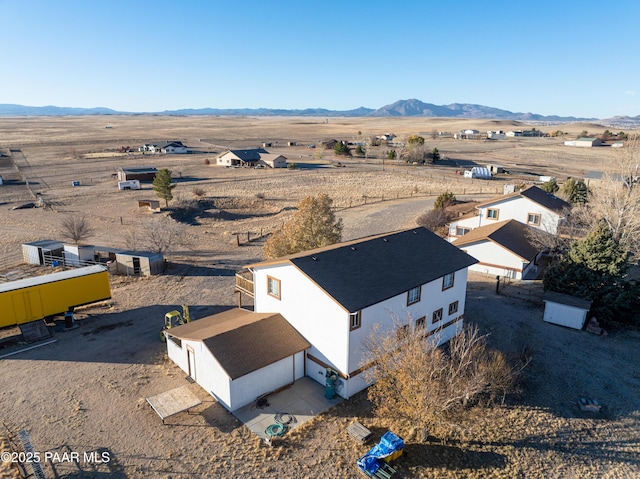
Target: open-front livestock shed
(36, 298)
(39, 252)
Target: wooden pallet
(360, 433)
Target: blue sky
(560, 57)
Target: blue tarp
(389, 443)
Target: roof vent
(415, 232)
(353, 248)
(314, 258)
(385, 240)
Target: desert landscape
(86, 391)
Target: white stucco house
(531, 206)
(257, 157)
(332, 298)
(502, 249)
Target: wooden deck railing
(244, 283)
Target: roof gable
(243, 341)
(510, 234)
(364, 272)
(534, 194)
(247, 155)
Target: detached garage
(565, 310)
(239, 355)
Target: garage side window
(273, 287)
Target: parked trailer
(129, 185)
(36, 298)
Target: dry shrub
(421, 385)
(435, 220)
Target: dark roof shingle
(364, 272)
(510, 234)
(243, 341)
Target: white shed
(139, 263)
(239, 355)
(39, 252)
(78, 255)
(565, 310)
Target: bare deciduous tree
(162, 234)
(616, 199)
(75, 228)
(421, 384)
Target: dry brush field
(86, 392)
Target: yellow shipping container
(36, 298)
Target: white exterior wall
(246, 389)
(564, 315)
(30, 254)
(432, 298)
(317, 317)
(280, 162)
(74, 255)
(495, 260)
(517, 208)
(325, 324)
(208, 372)
(175, 150)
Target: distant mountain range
(401, 108)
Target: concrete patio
(303, 400)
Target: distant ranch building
(584, 142)
(143, 173)
(167, 147)
(251, 158)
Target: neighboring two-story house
(333, 297)
(531, 206)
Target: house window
(453, 308)
(492, 213)
(461, 231)
(437, 316)
(273, 287)
(420, 322)
(533, 219)
(402, 332)
(447, 281)
(355, 320)
(413, 295)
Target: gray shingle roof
(510, 234)
(249, 155)
(364, 272)
(534, 194)
(243, 341)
